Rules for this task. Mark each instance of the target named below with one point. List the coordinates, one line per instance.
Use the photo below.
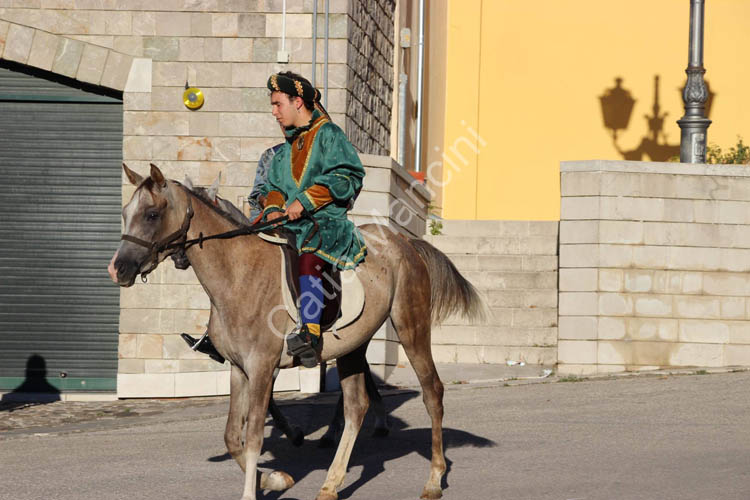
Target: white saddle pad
(352, 299)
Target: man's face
(284, 108)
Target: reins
(178, 239)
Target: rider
(327, 188)
(313, 179)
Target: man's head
(292, 99)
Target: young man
(313, 179)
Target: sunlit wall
(522, 86)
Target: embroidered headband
(295, 88)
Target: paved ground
(646, 437)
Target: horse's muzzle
(122, 271)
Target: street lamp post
(694, 123)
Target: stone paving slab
(25, 419)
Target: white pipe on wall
(420, 84)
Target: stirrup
(203, 345)
(298, 345)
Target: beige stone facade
(654, 261)
(513, 265)
(149, 51)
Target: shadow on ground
(35, 389)
(370, 452)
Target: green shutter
(60, 201)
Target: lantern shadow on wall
(617, 106)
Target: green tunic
(319, 167)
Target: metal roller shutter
(60, 202)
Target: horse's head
(156, 219)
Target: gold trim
(320, 121)
(300, 90)
(275, 83)
(312, 202)
(348, 264)
(313, 198)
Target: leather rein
(178, 239)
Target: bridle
(167, 243)
(178, 239)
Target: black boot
(302, 343)
(203, 345)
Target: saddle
(343, 293)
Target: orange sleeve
(274, 200)
(318, 195)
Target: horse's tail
(451, 293)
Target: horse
(407, 280)
(292, 432)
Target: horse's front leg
(239, 404)
(259, 388)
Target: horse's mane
(236, 218)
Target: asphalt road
(671, 437)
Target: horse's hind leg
(411, 318)
(292, 432)
(381, 415)
(351, 372)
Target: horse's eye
(152, 215)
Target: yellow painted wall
(526, 77)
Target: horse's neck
(222, 264)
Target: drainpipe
(403, 80)
(420, 84)
(325, 59)
(282, 55)
(314, 41)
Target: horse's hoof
(431, 493)
(381, 432)
(326, 442)
(327, 495)
(276, 481)
(297, 437)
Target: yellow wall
(527, 76)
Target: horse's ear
(213, 191)
(188, 183)
(134, 178)
(157, 176)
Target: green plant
(701, 372)
(436, 227)
(571, 378)
(739, 154)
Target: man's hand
(294, 211)
(273, 216)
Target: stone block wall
(654, 261)
(370, 79)
(227, 48)
(513, 265)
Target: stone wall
(513, 264)
(370, 80)
(227, 48)
(654, 261)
